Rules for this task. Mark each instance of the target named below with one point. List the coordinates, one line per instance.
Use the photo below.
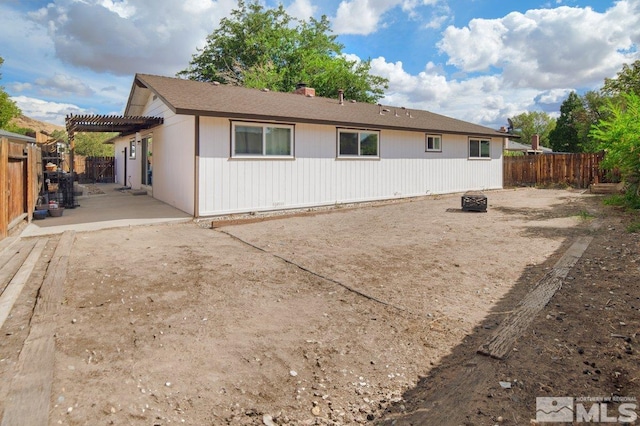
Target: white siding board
(317, 177)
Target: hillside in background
(29, 123)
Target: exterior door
(147, 161)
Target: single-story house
(222, 149)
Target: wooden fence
(93, 169)
(577, 170)
(20, 181)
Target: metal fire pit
(474, 201)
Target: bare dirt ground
(346, 317)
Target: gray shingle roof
(219, 100)
(16, 136)
(517, 146)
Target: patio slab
(112, 209)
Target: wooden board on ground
(30, 392)
(500, 343)
(17, 272)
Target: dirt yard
(348, 316)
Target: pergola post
(72, 149)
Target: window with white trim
(433, 143)
(262, 140)
(358, 143)
(479, 148)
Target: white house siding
(133, 165)
(173, 162)
(316, 177)
(173, 157)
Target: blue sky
(476, 60)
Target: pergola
(125, 125)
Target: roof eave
(283, 119)
(140, 83)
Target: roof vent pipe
(341, 96)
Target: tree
(266, 48)
(565, 137)
(531, 123)
(594, 109)
(628, 80)
(92, 144)
(619, 137)
(8, 108)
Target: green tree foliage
(627, 81)
(8, 108)
(266, 48)
(594, 105)
(578, 114)
(12, 127)
(565, 136)
(619, 137)
(92, 144)
(531, 123)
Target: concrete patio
(111, 209)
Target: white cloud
(364, 17)
(122, 8)
(548, 48)
(437, 21)
(62, 85)
(25, 45)
(476, 47)
(484, 100)
(20, 87)
(360, 16)
(124, 37)
(50, 112)
(302, 9)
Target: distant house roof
(16, 136)
(517, 146)
(190, 97)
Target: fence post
(4, 200)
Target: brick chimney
(535, 142)
(302, 89)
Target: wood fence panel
(100, 169)
(578, 170)
(17, 190)
(4, 199)
(18, 182)
(93, 169)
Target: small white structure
(226, 149)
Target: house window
(479, 148)
(433, 143)
(261, 140)
(358, 143)
(132, 148)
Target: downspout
(196, 168)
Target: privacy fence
(20, 180)
(576, 170)
(93, 169)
